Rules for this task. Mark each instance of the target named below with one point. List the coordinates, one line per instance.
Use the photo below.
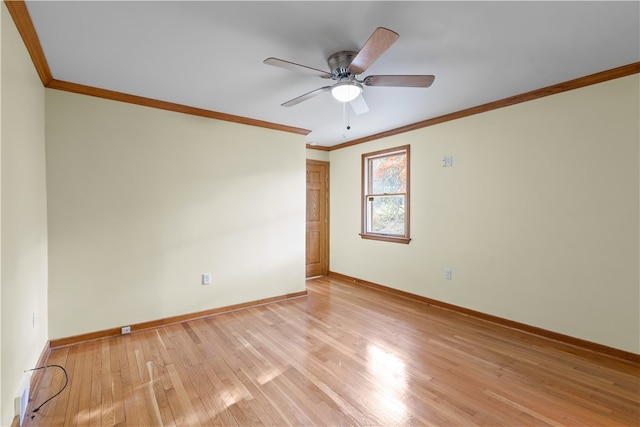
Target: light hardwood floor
(343, 355)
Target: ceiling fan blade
(381, 39)
(359, 105)
(306, 96)
(287, 65)
(400, 81)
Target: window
(385, 195)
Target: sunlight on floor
(268, 376)
(390, 372)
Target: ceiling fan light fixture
(346, 91)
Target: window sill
(384, 238)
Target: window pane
(389, 174)
(386, 214)
(385, 195)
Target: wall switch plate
(448, 274)
(126, 330)
(206, 279)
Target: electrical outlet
(126, 330)
(206, 279)
(447, 161)
(448, 274)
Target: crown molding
(22, 20)
(591, 79)
(170, 106)
(20, 15)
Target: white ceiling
(208, 54)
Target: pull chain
(345, 115)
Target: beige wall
(143, 201)
(538, 217)
(23, 228)
(320, 155)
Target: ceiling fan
(347, 65)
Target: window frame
(365, 168)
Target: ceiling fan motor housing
(339, 64)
